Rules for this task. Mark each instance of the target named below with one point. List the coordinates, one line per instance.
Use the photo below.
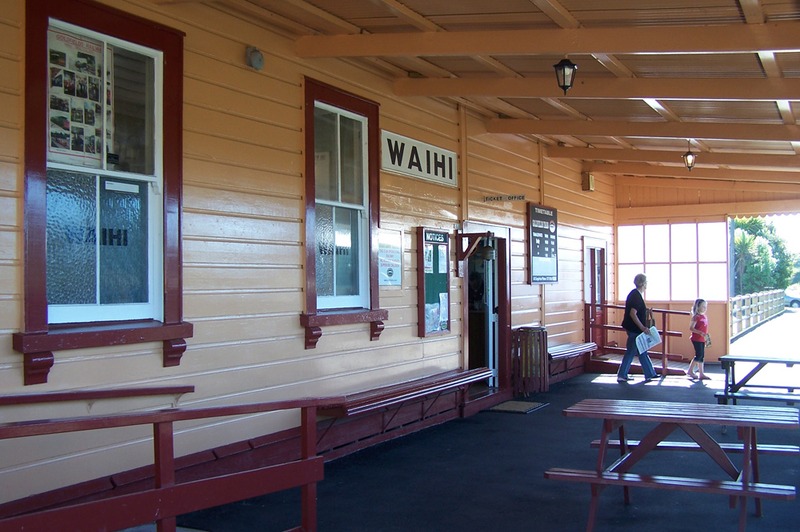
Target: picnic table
(743, 388)
(744, 481)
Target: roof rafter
(776, 37)
(678, 130)
(751, 160)
(619, 88)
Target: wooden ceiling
(654, 76)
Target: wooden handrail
(92, 395)
(168, 499)
(604, 326)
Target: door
(483, 308)
(595, 293)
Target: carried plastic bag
(645, 341)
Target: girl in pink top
(700, 338)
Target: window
(682, 261)
(342, 156)
(102, 183)
(342, 228)
(104, 254)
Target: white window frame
(360, 300)
(153, 308)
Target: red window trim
(313, 320)
(38, 339)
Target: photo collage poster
(75, 112)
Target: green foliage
(761, 260)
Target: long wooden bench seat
(572, 349)
(397, 394)
(763, 448)
(566, 360)
(723, 487)
(788, 398)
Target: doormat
(518, 407)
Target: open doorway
(482, 299)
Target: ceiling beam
(616, 88)
(676, 130)
(750, 160)
(775, 36)
(790, 176)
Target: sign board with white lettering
(410, 157)
(543, 223)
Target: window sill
(38, 347)
(313, 323)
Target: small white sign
(413, 158)
(390, 257)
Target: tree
(761, 260)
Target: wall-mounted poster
(543, 223)
(75, 113)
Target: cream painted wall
(243, 248)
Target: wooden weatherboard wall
(243, 249)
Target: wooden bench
(723, 487)
(565, 361)
(788, 398)
(365, 418)
(397, 394)
(763, 448)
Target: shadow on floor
(486, 473)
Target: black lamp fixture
(689, 158)
(565, 74)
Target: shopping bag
(647, 340)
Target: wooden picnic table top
(686, 413)
(762, 358)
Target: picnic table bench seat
(788, 398)
(763, 448)
(723, 487)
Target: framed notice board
(433, 281)
(543, 226)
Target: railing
(749, 310)
(597, 328)
(167, 498)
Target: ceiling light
(689, 158)
(565, 74)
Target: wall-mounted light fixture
(565, 74)
(689, 158)
(254, 58)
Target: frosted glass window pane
(347, 247)
(123, 239)
(71, 238)
(658, 286)
(625, 282)
(713, 242)
(326, 246)
(713, 279)
(684, 282)
(629, 244)
(656, 243)
(684, 243)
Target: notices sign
(390, 258)
(543, 223)
(75, 110)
